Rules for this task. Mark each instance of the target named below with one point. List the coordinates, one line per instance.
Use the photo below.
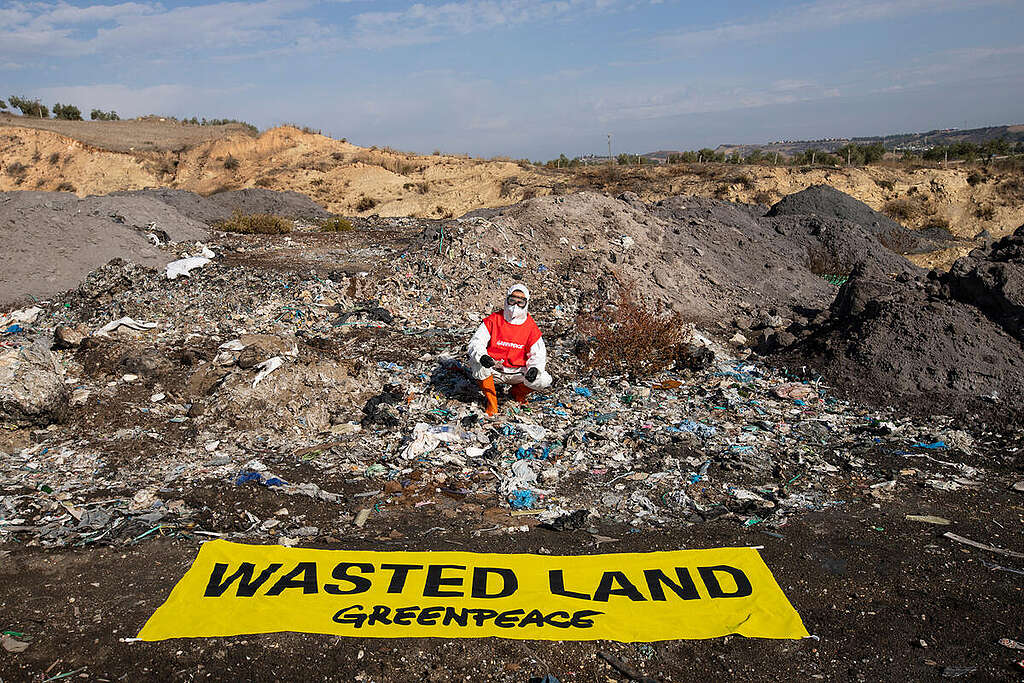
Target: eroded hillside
(352, 180)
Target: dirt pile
(828, 202)
(51, 240)
(709, 259)
(948, 343)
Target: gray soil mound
(827, 202)
(51, 240)
(710, 260)
(949, 344)
(217, 207)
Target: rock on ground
(32, 389)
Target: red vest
(510, 343)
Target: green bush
(67, 112)
(30, 107)
(3, 105)
(255, 224)
(336, 224)
(99, 115)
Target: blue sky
(531, 78)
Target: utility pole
(609, 147)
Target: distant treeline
(69, 112)
(851, 154)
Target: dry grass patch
(255, 224)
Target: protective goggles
(516, 300)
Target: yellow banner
(234, 589)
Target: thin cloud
(811, 16)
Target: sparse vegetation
(628, 338)
(975, 178)
(54, 158)
(3, 105)
(255, 224)
(264, 181)
(1012, 190)
(886, 184)
(99, 115)
(65, 187)
(336, 224)
(230, 163)
(365, 203)
(743, 180)
(16, 168)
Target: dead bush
(1011, 190)
(337, 224)
(54, 158)
(255, 224)
(16, 168)
(886, 184)
(763, 197)
(231, 163)
(628, 338)
(975, 178)
(743, 180)
(365, 203)
(902, 209)
(423, 187)
(65, 187)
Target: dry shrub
(1011, 190)
(335, 225)
(529, 193)
(763, 197)
(264, 181)
(54, 158)
(904, 210)
(16, 168)
(231, 163)
(423, 187)
(975, 178)
(255, 224)
(628, 338)
(886, 184)
(743, 180)
(365, 203)
(65, 187)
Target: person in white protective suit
(508, 348)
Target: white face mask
(516, 314)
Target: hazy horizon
(531, 78)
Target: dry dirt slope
(102, 157)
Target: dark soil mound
(950, 344)
(220, 206)
(827, 202)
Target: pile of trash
(310, 386)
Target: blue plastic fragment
(933, 446)
(522, 499)
(583, 391)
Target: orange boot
(519, 392)
(490, 396)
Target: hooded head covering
(515, 314)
